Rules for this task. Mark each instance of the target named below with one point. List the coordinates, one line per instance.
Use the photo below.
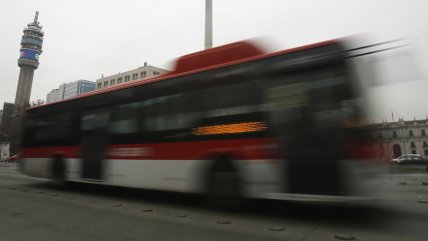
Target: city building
(78, 87)
(70, 90)
(397, 138)
(31, 48)
(6, 115)
(56, 94)
(140, 73)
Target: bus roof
(222, 56)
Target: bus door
(93, 136)
(306, 110)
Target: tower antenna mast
(208, 24)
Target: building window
(112, 82)
(105, 83)
(99, 85)
(143, 74)
(119, 80)
(425, 144)
(127, 78)
(423, 133)
(410, 133)
(394, 134)
(134, 76)
(412, 144)
(426, 152)
(413, 151)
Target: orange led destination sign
(244, 127)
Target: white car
(409, 163)
(409, 158)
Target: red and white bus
(228, 121)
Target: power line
(375, 51)
(376, 44)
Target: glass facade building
(69, 90)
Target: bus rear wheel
(224, 187)
(58, 172)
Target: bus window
(323, 92)
(92, 121)
(162, 113)
(233, 99)
(124, 120)
(283, 99)
(46, 130)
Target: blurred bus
(229, 122)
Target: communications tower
(31, 48)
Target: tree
(14, 130)
(16, 125)
(37, 102)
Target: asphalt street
(32, 209)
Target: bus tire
(58, 172)
(223, 187)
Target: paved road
(31, 209)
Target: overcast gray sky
(87, 38)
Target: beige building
(144, 72)
(401, 137)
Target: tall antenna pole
(208, 24)
(36, 17)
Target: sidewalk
(9, 168)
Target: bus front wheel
(224, 186)
(58, 172)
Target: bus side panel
(36, 167)
(73, 169)
(261, 176)
(168, 175)
(258, 176)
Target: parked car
(409, 163)
(410, 159)
(13, 158)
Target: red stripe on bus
(242, 149)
